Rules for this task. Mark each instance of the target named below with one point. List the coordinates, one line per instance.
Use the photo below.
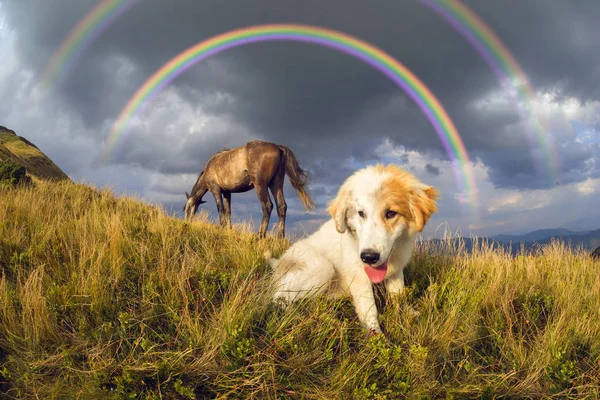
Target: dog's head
(379, 205)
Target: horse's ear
(187, 196)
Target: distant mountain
(537, 235)
(589, 240)
(21, 151)
(591, 221)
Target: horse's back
(263, 159)
(240, 168)
(261, 147)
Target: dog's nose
(369, 256)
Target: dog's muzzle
(369, 256)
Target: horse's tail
(298, 177)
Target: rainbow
(364, 51)
(81, 37)
(507, 69)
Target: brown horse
(259, 165)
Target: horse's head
(191, 206)
(195, 199)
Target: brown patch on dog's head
(424, 205)
(393, 203)
(404, 197)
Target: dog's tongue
(376, 274)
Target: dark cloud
(295, 92)
(332, 110)
(432, 170)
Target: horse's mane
(213, 156)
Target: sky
(335, 112)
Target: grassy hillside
(109, 298)
(21, 151)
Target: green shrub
(12, 174)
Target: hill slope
(102, 297)
(22, 151)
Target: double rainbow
(453, 12)
(362, 50)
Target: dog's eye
(361, 214)
(389, 214)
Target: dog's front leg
(395, 283)
(364, 303)
(395, 286)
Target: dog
(375, 219)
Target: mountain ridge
(589, 240)
(538, 234)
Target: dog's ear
(187, 196)
(423, 204)
(338, 209)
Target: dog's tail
(269, 258)
(298, 177)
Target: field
(105, 297)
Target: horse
(259, 165)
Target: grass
(105, 297)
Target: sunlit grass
(105, 297)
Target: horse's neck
(199, 191)
(199, 186)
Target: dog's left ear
(338, 209)
(423, 204)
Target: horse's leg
(227, 203)
(276, 187)
(216, 192)
(262, 192)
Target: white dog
(376, 216)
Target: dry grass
(110, 298)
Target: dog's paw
(378, 336)
(373, 331)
